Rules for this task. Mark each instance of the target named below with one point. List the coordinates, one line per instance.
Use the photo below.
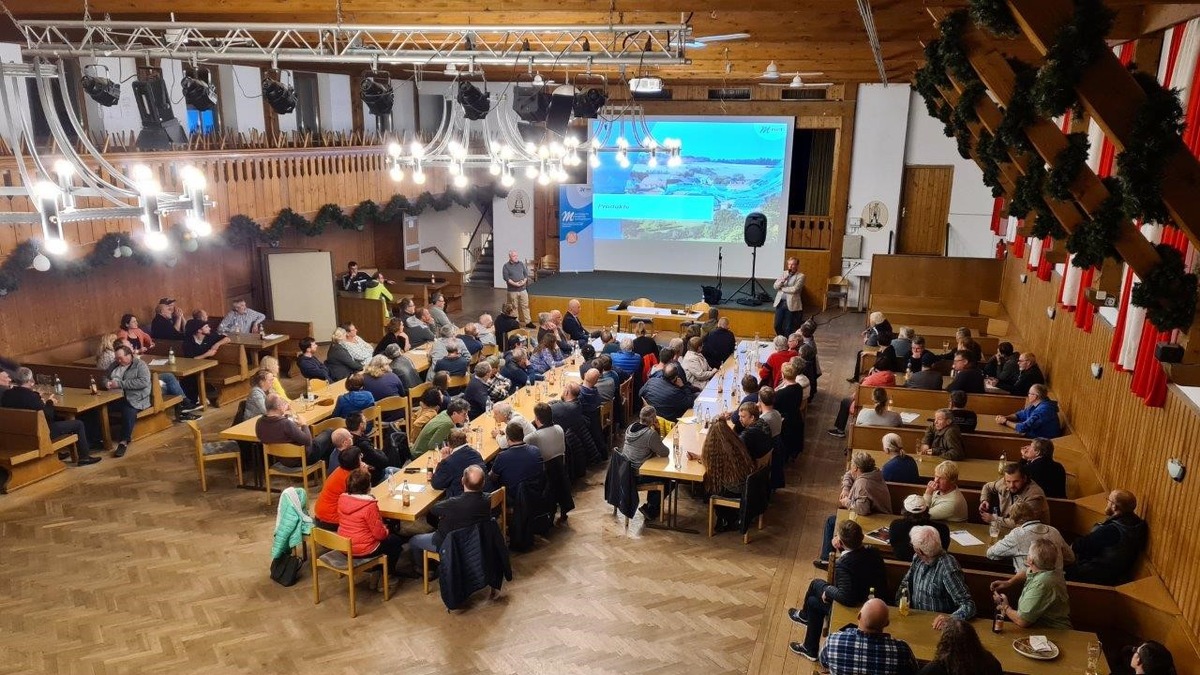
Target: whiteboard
(300, 290)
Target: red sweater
(360, 522)
(772, 371)
(327, 502)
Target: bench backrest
(23, 429)
(976, 446)
(65, 353)
(1069, 518)
(295, 330)
(78, 376)
(924, 399)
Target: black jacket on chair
(472, 558)
(559, 483)
(620, 485)
(533, 513)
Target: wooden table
(969, 556)
(308, 414)
(652, 313)
(183, 367)
(917, 630)
(419, 358)
(74, 402)
(986, 423)
(972, 473)
(257, 342)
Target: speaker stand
(756, 294)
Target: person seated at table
(22, 395)
(589, 398)
(279, 425)
(609, 383)
(418, 331)
(1015, 545)
(379, 379)
(516, 463)
(643, 441)
(487, 330)
(393, 334)
(860, 572)
(864, 649)
(900, 466)
(356, 398)
(447, 337)
(935, 581)
(241, 319)
(1002, 366)
(349, 458)
(481, 393)
(928, 379)
(1108, 554)
(503, 414)
(878, 415)
(1038, 458)
(964, 342)
(402, 366)
(719, 344)
(669, 394)
(187, 409)
(967, 375)
(695, 366)
(881, 375)
(1039, 417)
(548, 437)
(945, 501)
(201, 342)
(260, 385)
(454, 363)
(959, 651)
(468, 508)
(751, 429)
(914, 513)
(441, 384)
(626, 359)
(1152, 658)
(942, 437)
(789, 401)
(565, 343)
(438, 429)
(376, 459)
(749, 385)
(354, 280)
(506, 322)
(997, 499)
(964, 419)
(1044, 601)
(863, 492)
(726, 466)
(1028, 374)
(572, 325)
(132, 376)
(6, 382)
(808, 355)
(547, 356)
(138, 338)
(878, 333)
(167, 323)
(311, 367)
(921, 358)
(516, 368)
(665, 355)
(437, 310)
(339, 360)
(427, 408)
(786, 348)
(455, 457)
(769, 415)
(104, 351)
(470, 338)
(360, 521)
(901, 346)
(644, 342)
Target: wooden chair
(213, 452)
(489, 350)
(374, 420)
(331, 424)
(642, 302)
(497, 499)
(756, 489)
(392, 404)
(837, 288)
(458, 382)
(289, 451)
(701, 307)
(648, 320)
(415, 393)
(339, 559)
(606, 419)
(626, 389)
(315, 385)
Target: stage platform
(598, 291)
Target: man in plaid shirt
(867, 650)
(934, 580)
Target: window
(308, 116)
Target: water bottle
(994, 526)
(405, 499)
(171, 356)
(871, 593)
(488, 406)
(58, 387)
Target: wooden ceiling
(798, 35)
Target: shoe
(120, 451)
(852, 379)
(797, 616)
(530, 325)
(409, 573)
(87, 461)
(645, 512)
(64, 455)
(835, 432)
(190, 416)
(799, 648)
(190, 407)
(821, 564)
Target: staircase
(481, 274)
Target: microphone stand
(720, 261)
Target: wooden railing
(810, 232)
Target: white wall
(448, 230)
(333, 97)
(239, 111)
(876, 165)
(512, 230)
(123, 117)
(970, 200)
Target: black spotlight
(475, 103)
(531, 104)
(281, 97)
(376, 92)
(588, 103)
(198, 88)
(102, 90)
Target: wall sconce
(1051, 312)
(1176, 470)
(1023, 278)
(1097, 370)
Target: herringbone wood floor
(128, 567)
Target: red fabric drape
(1149, 376)
(1045, 267)
(999, 223)
(1018, 247)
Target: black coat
(472, 558)
(718, 346)
(858, 571)
(620, 485)
(969, 380)
(1049, 475)
(533, 513)
(573, 328)
(455, 513)
(788, 401)
(339, 362)
(1025, 379)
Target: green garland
(1027, 193)
(1019, 113)
(965, 109)
(241, 231)
(1092, 241)
(1076, 46)
(994, 16)
(953, 53)
(1067, 165)
(1167, 292)
(989, 162)
(929, 77)
(1155, 136)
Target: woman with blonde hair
(104, 351)
(727, 463)
(271, 364)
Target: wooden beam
(1008, 172)
(1112, 97)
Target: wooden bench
(925, 399)
(27, 453)
(69, 352)
(150, 421)
(1071, 517)
(230, 377)
(296, 331)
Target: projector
(645, 85)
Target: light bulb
(596, 144)
(571, 142)
(623, 161)
(494, 169)
(506, 152)
(419, 177)
(674, 161)
(156, 241)
(64, 168)
(394, 149)
(594, 160)
(653, 161)
(543, 152)
(543, 178)
(141, 173)
(45, 190)
(622, 143)
(396, 173)
(41, 263)
(649, 142)
(417, 149)
(193, 178)
(55, 246)
(454, 170)
(201, 228)
(507, 180)
(460, 181)
(531, 172)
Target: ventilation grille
(804, 94)
(729, 94)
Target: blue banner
(575, 250)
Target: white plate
(1021, 646)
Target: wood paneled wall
(901, 282)
(1128, 442)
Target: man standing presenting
(788, 306)
(516, 276)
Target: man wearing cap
(168, 321)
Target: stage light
(460, 181)
(531, 171)
(419, 177)
(198, 88)
(417, 150)
(543, 178)
(155, 241)
(201, 228)
(396, 173)
(376, 92)
(475, 103)
(394, 149)
(45, 191)
(507, 180)
(588, 103)
(494, 169)
(593, 160)
(55, 246)
(281, 97)
(652, 162)
(193, 178)
(64, 169)
(102, 90)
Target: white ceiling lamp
(451, 70)
(797, 82)
(771, 73)
(645, 85)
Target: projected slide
(731, 167)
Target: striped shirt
(938, 587)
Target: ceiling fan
(772, 73)
(797, 82)
(702, 41)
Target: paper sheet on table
(272, 336)
(158, 362)
(909, 418)
(965, 538)
(412, 487)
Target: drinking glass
(1093, 657)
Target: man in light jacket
(132, 376)
(863, 492)
(788, 305)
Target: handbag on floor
(285, 570)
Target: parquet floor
(126, 567)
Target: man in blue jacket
(1039, 417)
(670, 394)
(449, 472)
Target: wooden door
(924, 209)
